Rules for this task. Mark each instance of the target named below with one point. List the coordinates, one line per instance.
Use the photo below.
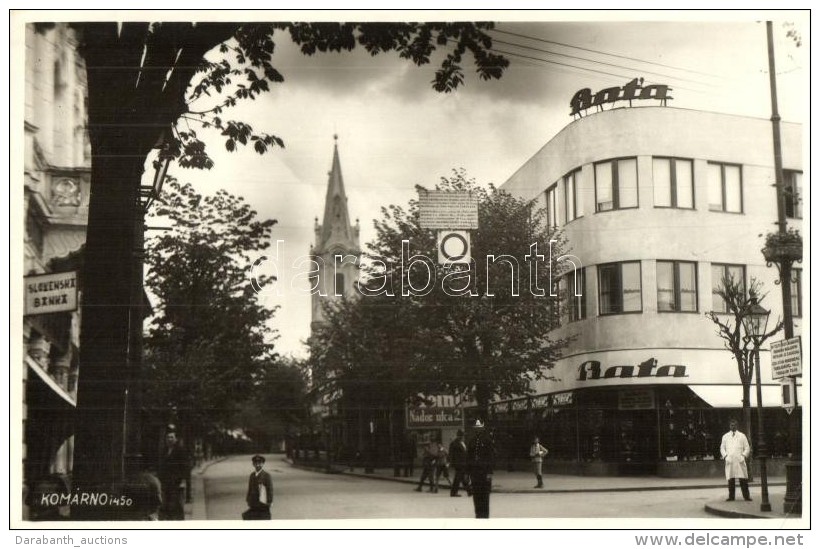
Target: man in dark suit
(458, 457)
(174, 467)
(480, 462)
(260, 492)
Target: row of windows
(616, 188)
(620, 291)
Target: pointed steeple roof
(336, 222)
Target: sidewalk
(196, 510)
(523, 482)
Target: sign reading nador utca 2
(51, 293)
(786, 358)
(444, 411)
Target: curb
(713, 509)
(502, 490)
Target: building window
(573, 206)
(619, 288)
(797, 295)
(552, 207)
(793, 187)
(720, 272)
(572, 307)
(616, 184)
(673, 183)
(340, 284)
(677, 286)
(725, 188)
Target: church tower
(336, 249)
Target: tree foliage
(209, 340)
(481, 332)
(739, 303)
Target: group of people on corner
(472, 462)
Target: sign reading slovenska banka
(51, 293)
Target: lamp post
(755, 323)
(132, 424)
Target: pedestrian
(537, 454)
(428, 465)
(480, 463)
(458, 457)
(260, 492)
(442, 466)
(174, 467)
(735, 450)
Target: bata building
(658, 204)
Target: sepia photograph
(409, 270)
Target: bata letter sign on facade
(634, 89)
(51, 293)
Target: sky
(395, 132)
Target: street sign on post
(787, 394)
(447, 210)
(453, 247)
(786, 358)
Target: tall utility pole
(794, 468)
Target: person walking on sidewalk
(537, 453)
(429, 465)
(735, 450)
(458, 457)
(173, 470)
(480, 463)
(260, 492)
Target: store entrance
(636, 442)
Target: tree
(277, 406)
(739, 302)
(209, 343)
(478, 331)
(142, 78)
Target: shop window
(572, 307)
(677, 286)
(797, 292)
(673, 183)
(793, 187)
(616, 184)
(725, 188)
(573, 205)
(728, 272)
(552, 207)
(619, 288)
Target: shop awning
(729, 396)
(48, 380)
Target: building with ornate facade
(57, 172)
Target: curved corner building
(657, 203)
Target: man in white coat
(735, 449)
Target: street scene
(302, 493)
(465, 270)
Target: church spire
(336, 228)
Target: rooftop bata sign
(634, 89)
(51, 293)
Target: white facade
(645, 233)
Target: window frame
(573, 176)
(572, 308)
(723, 166)
(673, 181)
(715, 283)
(797, 281)
(792, 198)
(676, 286)
(615, 189)
(552, 213)
(620, 265)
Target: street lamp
(755, 323)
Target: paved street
(301, 494)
